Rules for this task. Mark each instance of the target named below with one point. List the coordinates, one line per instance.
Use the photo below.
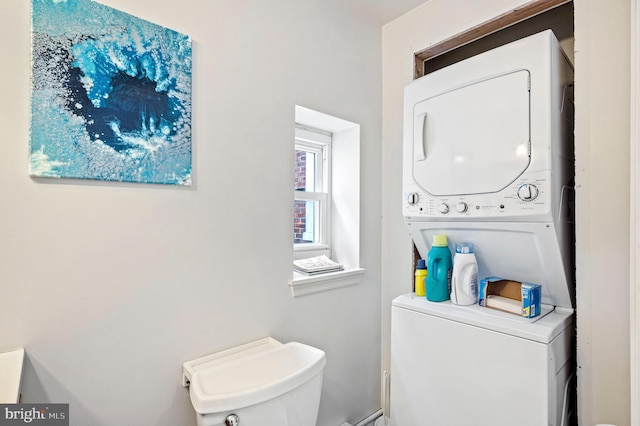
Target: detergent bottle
(440, 266)
(464, 280)
(421, 276)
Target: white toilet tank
(257, 384)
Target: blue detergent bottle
(440, 267)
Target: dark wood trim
(519, 14)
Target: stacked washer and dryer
(488, 159)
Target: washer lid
(473, 138)
(543, 328)
(240, 378)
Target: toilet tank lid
(248, 377)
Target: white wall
(602, 176)
(111, 287)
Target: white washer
(468, 365)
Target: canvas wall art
(110, 96)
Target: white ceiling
(385, 11)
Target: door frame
(521, 13)
(634, 218)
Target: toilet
(260, 383)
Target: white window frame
(319, 142)
(345, 205)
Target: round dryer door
(473, 139)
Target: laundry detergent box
(516, 297)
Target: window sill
(302, 285)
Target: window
(326, 199)
(312, 192)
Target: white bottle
(464, 280)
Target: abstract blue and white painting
(111, 95)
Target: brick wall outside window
(300, 207)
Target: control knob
(413, 198)
(462, 207)
(528, 192)
(443, 208)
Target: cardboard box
(511, 296)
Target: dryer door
(475, 138)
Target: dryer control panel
(527, 196)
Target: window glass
(305, 222)
(305, 171)
(311, 190)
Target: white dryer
(488, 159)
